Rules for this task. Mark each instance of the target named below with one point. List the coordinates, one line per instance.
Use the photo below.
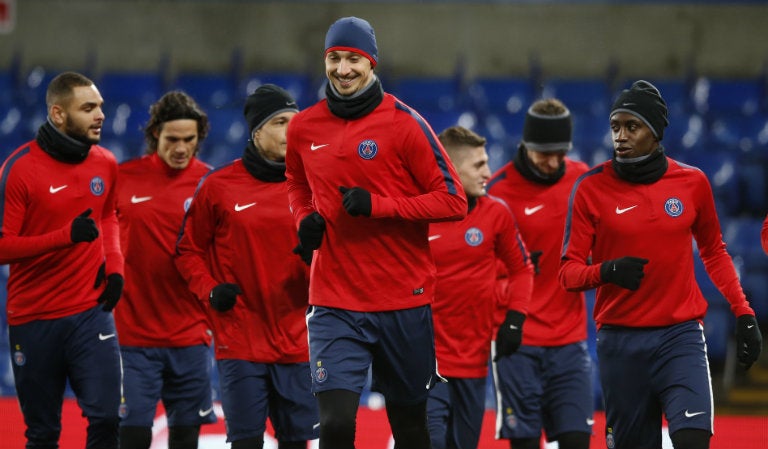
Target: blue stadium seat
(501, 95)
(722, 170)
(138, 89)
(728, 96)
(581, 95)
(429, 94)
(210, 90)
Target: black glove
(84, 228)
(625, 272)
(311, 230)
(100, 275)
(510, 334)
(356, 201)
(535, 255)
(749, 342)
(112, 292)
(224, 296)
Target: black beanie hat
(644, 101)
(266, 102)
(547, 133)
(353, 34)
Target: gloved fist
(224, 296)
(311, 231)
(749, 342)
(510, 335)
(112, 292)
(625, 272)
(84, 228)
(356, 201)
(535, 255)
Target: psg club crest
(97, 186)
(321, 375)
(673, 207)
(473, 236)
(19, 359)
(367, 149)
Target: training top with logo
(158, 309)
(382, 262)
(239, 230)
(50, 277)
(614, 218)
(556, 317)
(464, 253)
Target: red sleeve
(444, 198)
(299, 193)
(193, 245)
(14, 248)
(717, 261)
(111, 232)
(764, 235)
(575, 273)
(511, 250)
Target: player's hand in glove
(224, 296)
(625, 272)
(356, 201)
(112, 291)
(510, 334)
(749, 342)
(311, 231)
(535, 256)
(84, 228)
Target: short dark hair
(458, 135)
(60, 88)
(174, 105)
(549, 106)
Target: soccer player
(59, 234)
(163, 328)
(465, 252)
(366, 175)
(637, 216)
(235, 253)
(547, 383)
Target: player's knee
(248, 443)
(135, 437)
(183, 437)
(524, 443)
(573, 440)
(338, 415)
(409, 425)
(102, 433)
(691, 439)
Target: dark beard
(79, 134)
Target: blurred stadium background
(475, 63)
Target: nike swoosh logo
(590, 421)
(314, 147)
(691, 415)
(433, 237)
(621, 211)
(238, 207)
(204, 413)
(139, 199)
(53, 189)
(103, 337)
(750, 326)
(533, 210)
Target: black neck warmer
(643, 170)
(60, 146)
(357, 105)
(261, 168)
(531, 173)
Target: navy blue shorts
(251, 392)
(455, 412)
(546, 388)
(647, 371)
(81, 348)
(398, 346)
(180, 377)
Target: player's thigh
(293, 408)
(245, 390)
(142, 384)
(186, 394)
